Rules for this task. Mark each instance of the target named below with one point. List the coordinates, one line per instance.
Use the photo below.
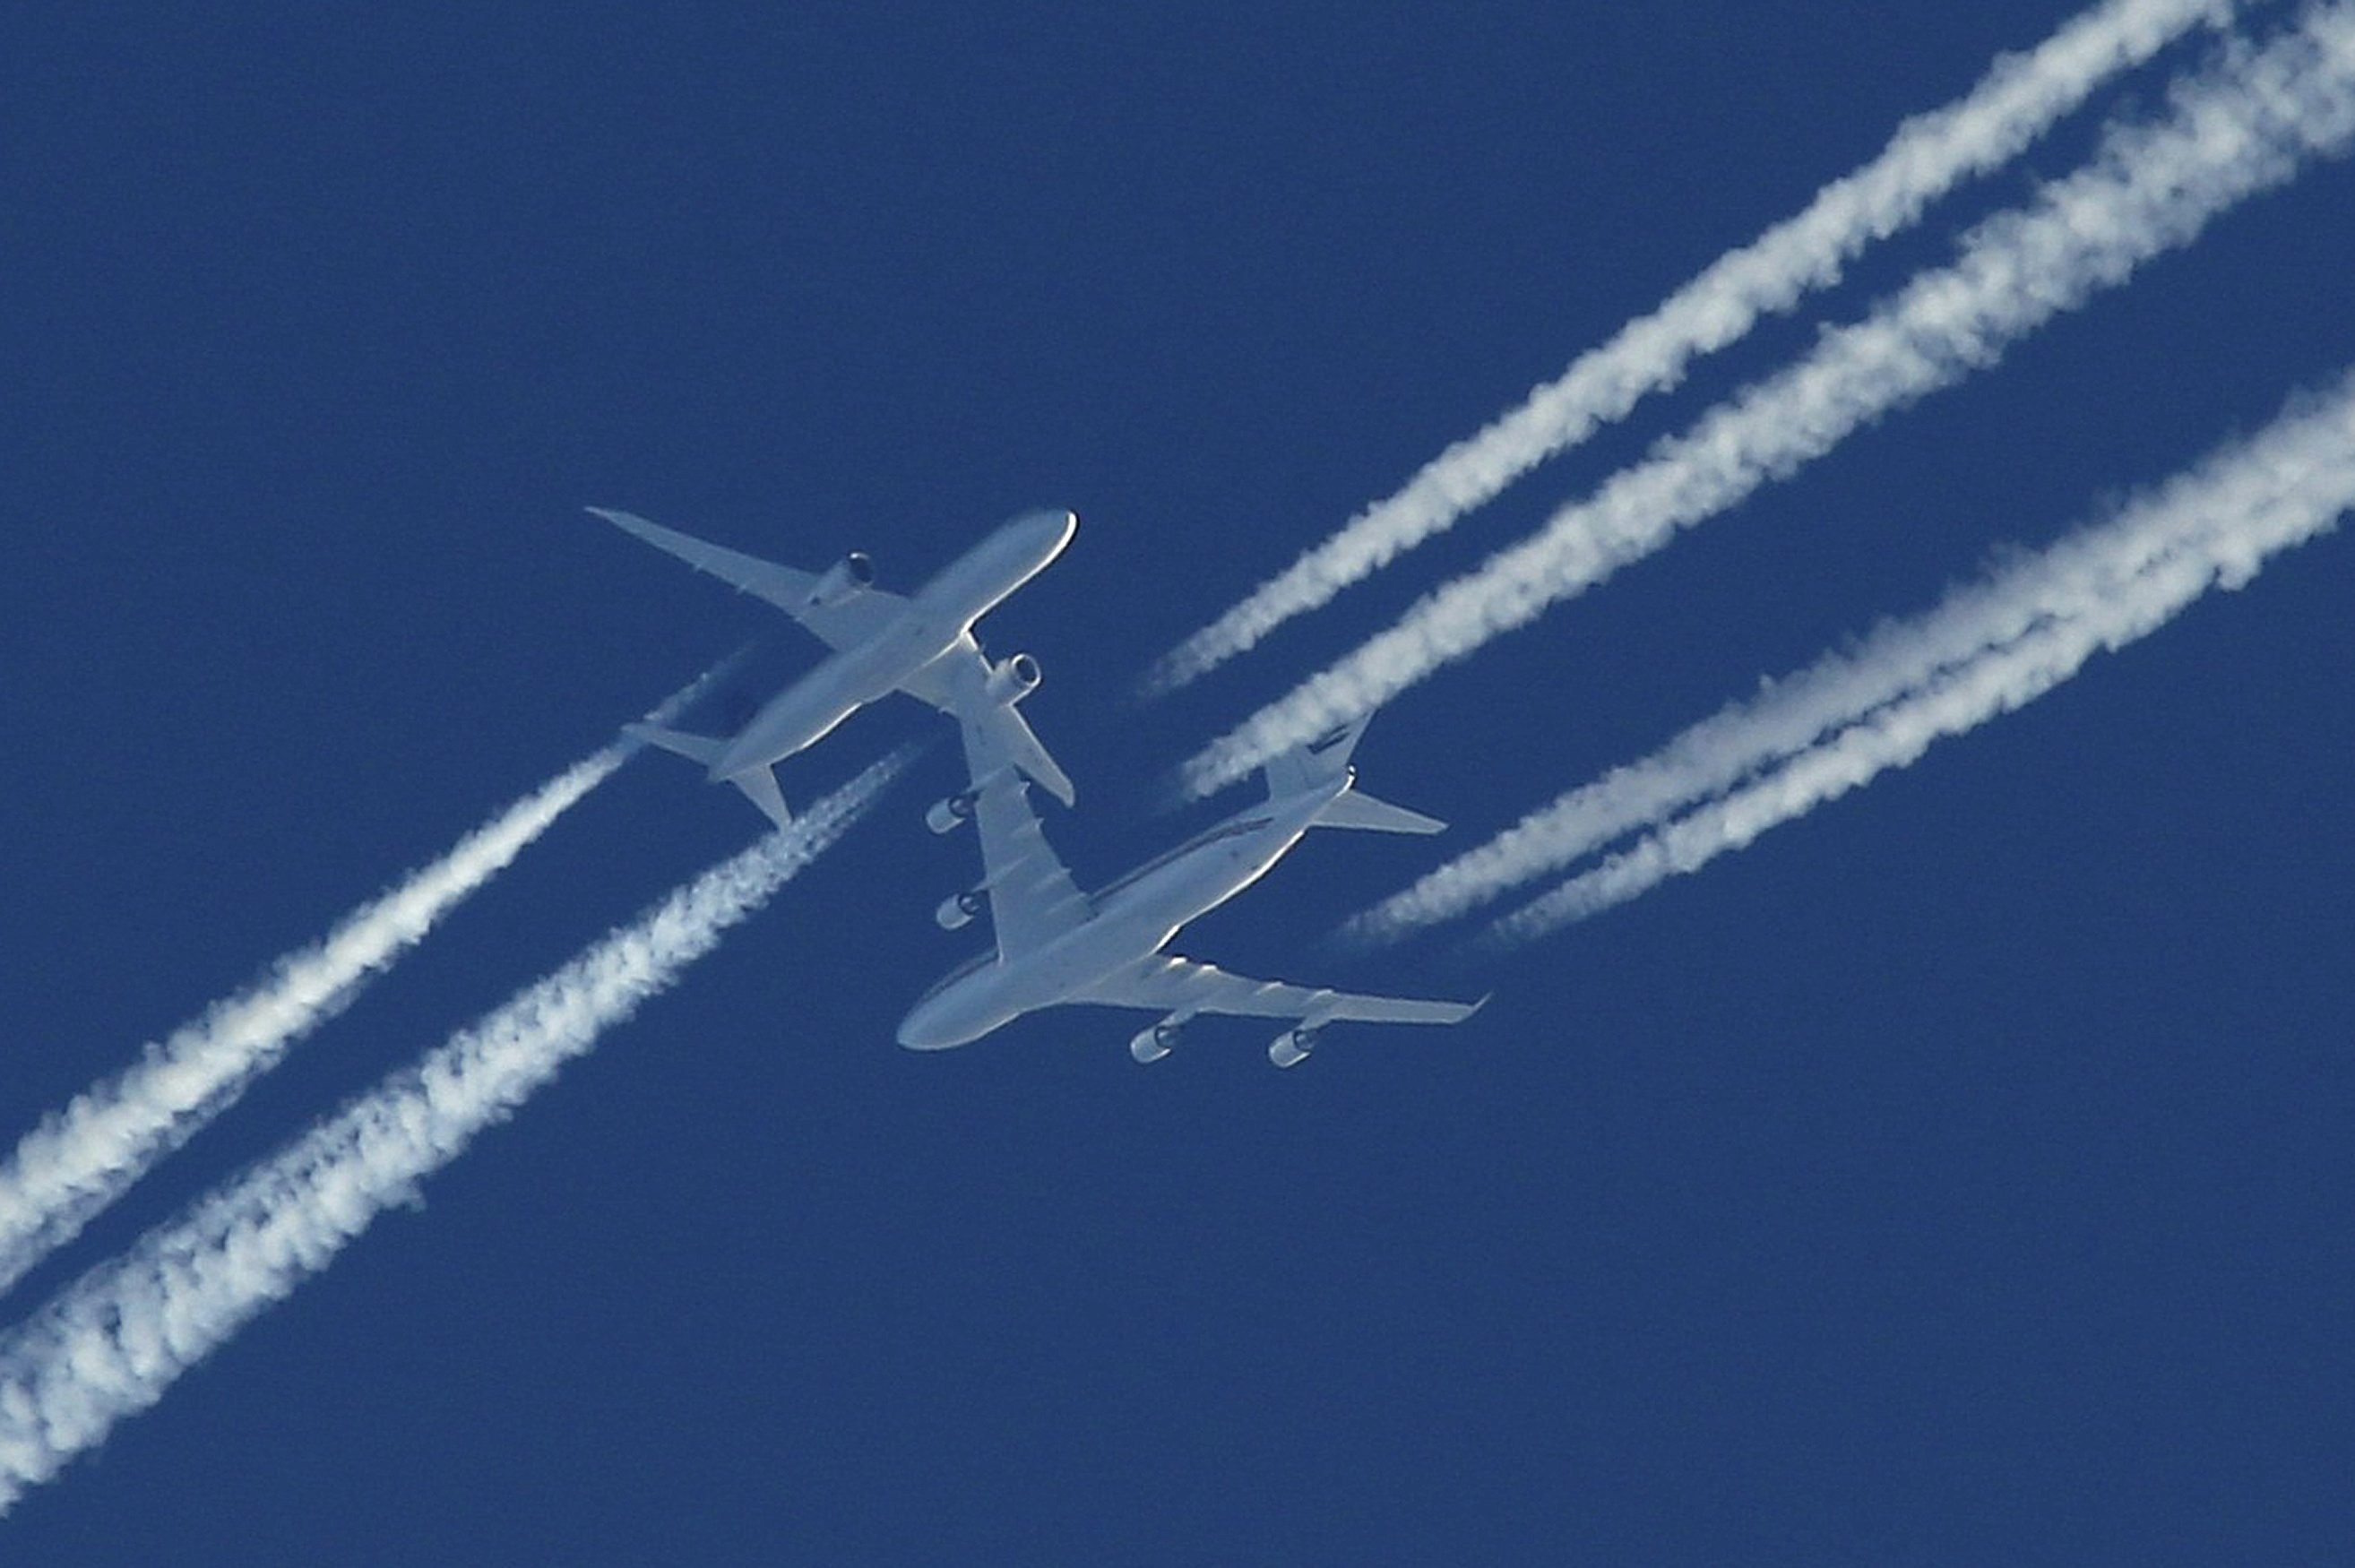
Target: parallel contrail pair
(1987, 649)
(2016, 102)
(84, 1156)
(113, 1343)
(2234, 130)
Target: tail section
(759, 784)
(760, 787)
(1324, 764)
(1355, 808)
(694, 748)
(1320, 763)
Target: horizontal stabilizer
(1356, 808)
(694, 748)
(760, 787)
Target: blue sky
(1959, 1174)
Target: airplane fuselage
(1132, 918)
(938, 623)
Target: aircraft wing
(845, 622)
(1032, 898)
(1169, 984)
(954, 683)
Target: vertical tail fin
(1323, 763)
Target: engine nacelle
(1291, 1048)
(1153, 1041)
(942, 815)
(846, 579)
(957, 910)
(1012, 679)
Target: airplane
(882, 643)
(1057, 944)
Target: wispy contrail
(2231, 132)
(2214, 526)
(2018, 99)
(113, 1343)
(2303, 462)
(83, 1158)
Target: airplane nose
(1049, 532)
(917, 1033)
(922, 1031)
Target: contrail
(83, 1158)
(2029, 597)
(2232, 130)
(1895, 662)
(2216, 526)
(113, 1343)
(2018, 99)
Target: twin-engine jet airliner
(1057, 944)
(882, 643)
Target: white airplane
(882, 643)
(1057, 944)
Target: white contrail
(112, 1344)
(2215, 526)
(2028, 596)
(2231, 132)
(83, 1158)
(2018, 99)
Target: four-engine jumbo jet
(882, 643)
(1057, 944)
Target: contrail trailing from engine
(2216, 526)
(2018, 99)
(2241, 127)
(84, 1156)
(2299, 469)
(113, 1343)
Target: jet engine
(846, 579)
(957, 910)
(942, 815)
(1291, 1048)
(1012, 679)
(1153, 1041)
